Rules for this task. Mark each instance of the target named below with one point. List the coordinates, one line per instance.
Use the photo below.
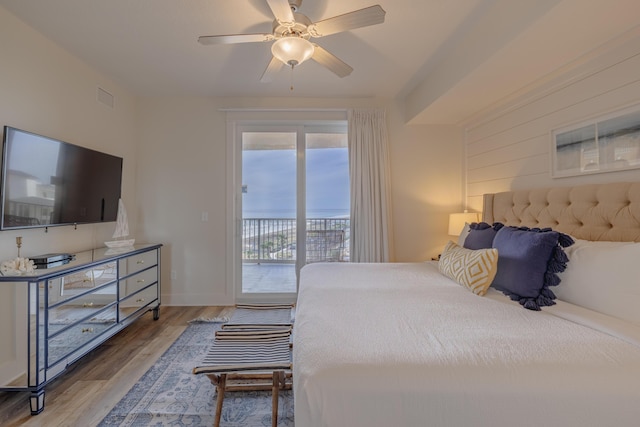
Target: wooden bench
(249, 357)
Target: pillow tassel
(560, 255)
(527, 302)
(544, 301)
(558, 261)
(551, 279)
(530, 304)
(565, 240)
(513, 297)
(548, 293)
(555, 266)
(479, 226)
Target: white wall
(510, 148)
(182, 173)
(43, 89)
(426, 172)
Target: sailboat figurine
(122, 229)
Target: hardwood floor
(89, 388)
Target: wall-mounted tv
(46, 182)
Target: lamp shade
(292, 50)
(457, 221)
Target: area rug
(168, 394)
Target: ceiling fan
(291, 34)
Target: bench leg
(222, 381)
(274, 399)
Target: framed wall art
(608, 143)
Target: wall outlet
(174, 275)
(205, 216)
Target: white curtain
(369, 176)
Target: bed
(403, 344)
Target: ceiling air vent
(105, 98)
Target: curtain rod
(285, 110)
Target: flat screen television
(46, 182)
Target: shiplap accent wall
(510, 148)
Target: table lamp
(457, 221)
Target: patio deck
(268, 278)
(269, 250)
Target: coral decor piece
(17, 267)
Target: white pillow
(464, 234)
(604, 277)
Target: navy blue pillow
(528, 260)
(481, 235)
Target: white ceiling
(445, 59)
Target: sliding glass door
(294, 206)
(269, 211)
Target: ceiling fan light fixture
(292, 50)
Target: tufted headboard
(589, 212)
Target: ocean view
(269, 184)
(291, 214)
(269, 204)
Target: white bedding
(402, 345)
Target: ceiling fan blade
(331, 62)
(282, 11)
(273, 67)
(357, 19)
(235, 38)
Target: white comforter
(402, 345)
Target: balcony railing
(274, 239)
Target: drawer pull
(87, 330)
(140, 261)
(140, 281)
(87, 304)
(86, 280)
(140, 300)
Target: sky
(270, 179)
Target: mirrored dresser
(54, 316)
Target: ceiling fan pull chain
(291, 78)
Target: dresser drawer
(138, 300)
(86, 306)
(133, 284)
(135, 263)
(67, 286)
(77, 335)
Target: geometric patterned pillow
(473, 269)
